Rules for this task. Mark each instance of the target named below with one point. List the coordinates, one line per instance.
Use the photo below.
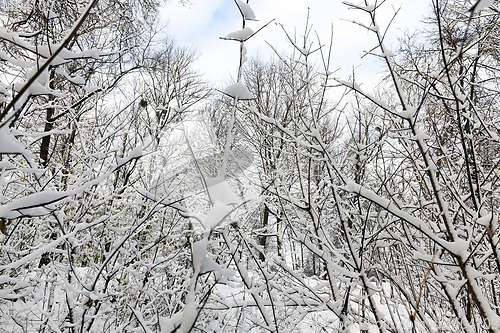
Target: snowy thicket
(300, 212)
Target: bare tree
(376, 211)
(71, 220)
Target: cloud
(201, 24)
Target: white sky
(202, 23)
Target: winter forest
(137, 197)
